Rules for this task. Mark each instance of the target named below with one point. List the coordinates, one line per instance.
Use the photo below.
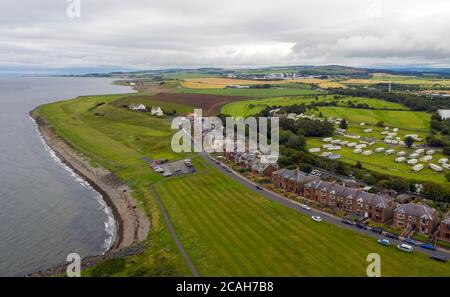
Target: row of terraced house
(377, 207)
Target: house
(444, 228)
(291, 180)
(135, 106)
(377, 207)
(263, 169)
(444, 113)
(157, 111)
(416, 217)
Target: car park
(439, 258)
(405, 247)
(385, 242)
(428, 246)
(316, 218)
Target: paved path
(180, 247)
(296, 206)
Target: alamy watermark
(374, 268)
(208, 134)
(73, 9)
(74, 268)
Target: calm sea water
(46, 211)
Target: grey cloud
(145, 34)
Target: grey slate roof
(418, 210)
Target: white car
(167, 174)
(305, 207)
(405, 247)
(316, 218)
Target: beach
(132, 224)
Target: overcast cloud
(146, 34)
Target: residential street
(325, 216)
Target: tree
(447, 176)
(359, 165)
(343, 124)
(380, 124)
(409, 141)
(446, 150)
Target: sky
(147, 34)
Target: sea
(46, 210)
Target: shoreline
(132, 225)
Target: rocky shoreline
(132, 224)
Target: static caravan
(351, 144)
(389, 152)
(412, 161)
(327, 139)
(426, 158)
(401, 154)
(357, 151)
(443, 160)
(314, 150)
(430, 152)
(417, 167)
(367, 153)
(400, 159)
(414, 156)
(435, 167)
(360, 146)
(379, 149)
(419, 151)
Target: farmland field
(214, 83)
(259, 93)
(230, 231)
(398, 79)
(249, 107)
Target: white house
(135, 106)
(157, 111)
(444, 113)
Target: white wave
(110, 224)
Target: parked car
(439, 258)
(405, 247)
(177, 170)
(361, 226)
(217, 162)
(305, 207)
(411, 241)
(229, 170)
(316, 218)
(383, 241)
(167, 174)
(377, 230)
(259, 188)
(392, 235)
(428, 246)
(347, 222)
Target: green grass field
(407, 120)
(251, 107)
(226, 229)
(230, 231)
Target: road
(325, 217)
